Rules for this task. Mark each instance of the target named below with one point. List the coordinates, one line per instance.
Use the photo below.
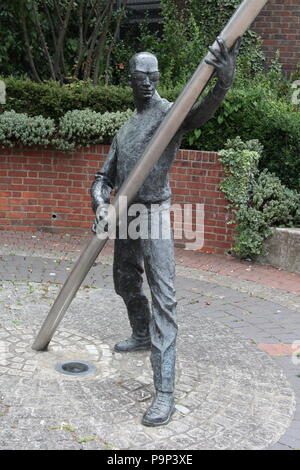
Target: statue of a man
(154, 329)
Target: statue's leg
(160, 270)
(128, 281)
(159, 265)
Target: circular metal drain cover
(75, 368)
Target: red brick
(278, 349)
(61, 197)
(5, 193)
(95, 165)
(49, 188)
(14, 214)
(61, 182)
(8, 180)
(30, 194)
(17, 173)
(48, 202)
(78, 176)
(32, 181)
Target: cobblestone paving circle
(229, 395)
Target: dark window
(139, 8)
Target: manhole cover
(75, 368)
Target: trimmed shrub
(20, 128)
(76, 128)
(85, 127)
(53, 101)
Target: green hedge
(53, 101)
(252, 110)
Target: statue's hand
(224, 61)
(100, 222)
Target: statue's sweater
(131, 140)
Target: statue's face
(144, 76)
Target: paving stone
(279, 447)
(291, 441)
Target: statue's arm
(224, 63)
(204, 110)
(105, 179)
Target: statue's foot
(160, 411)
(132, 344)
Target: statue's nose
(146, 80)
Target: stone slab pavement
(238, 368)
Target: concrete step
(283, 249)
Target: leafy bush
(251, 231)
(79, 127)
(279, 205)
(85, 127)
(255, 112)
(259, 200)
(20, 128)
(240, 163)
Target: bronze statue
(154, 329)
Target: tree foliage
(69, 40)
(62, 39)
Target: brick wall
(47, 190)
(279, 26)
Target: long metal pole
(236, 27)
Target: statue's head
(143, 75)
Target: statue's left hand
(224, 61)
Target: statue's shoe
(132, 344)
(160, 411)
